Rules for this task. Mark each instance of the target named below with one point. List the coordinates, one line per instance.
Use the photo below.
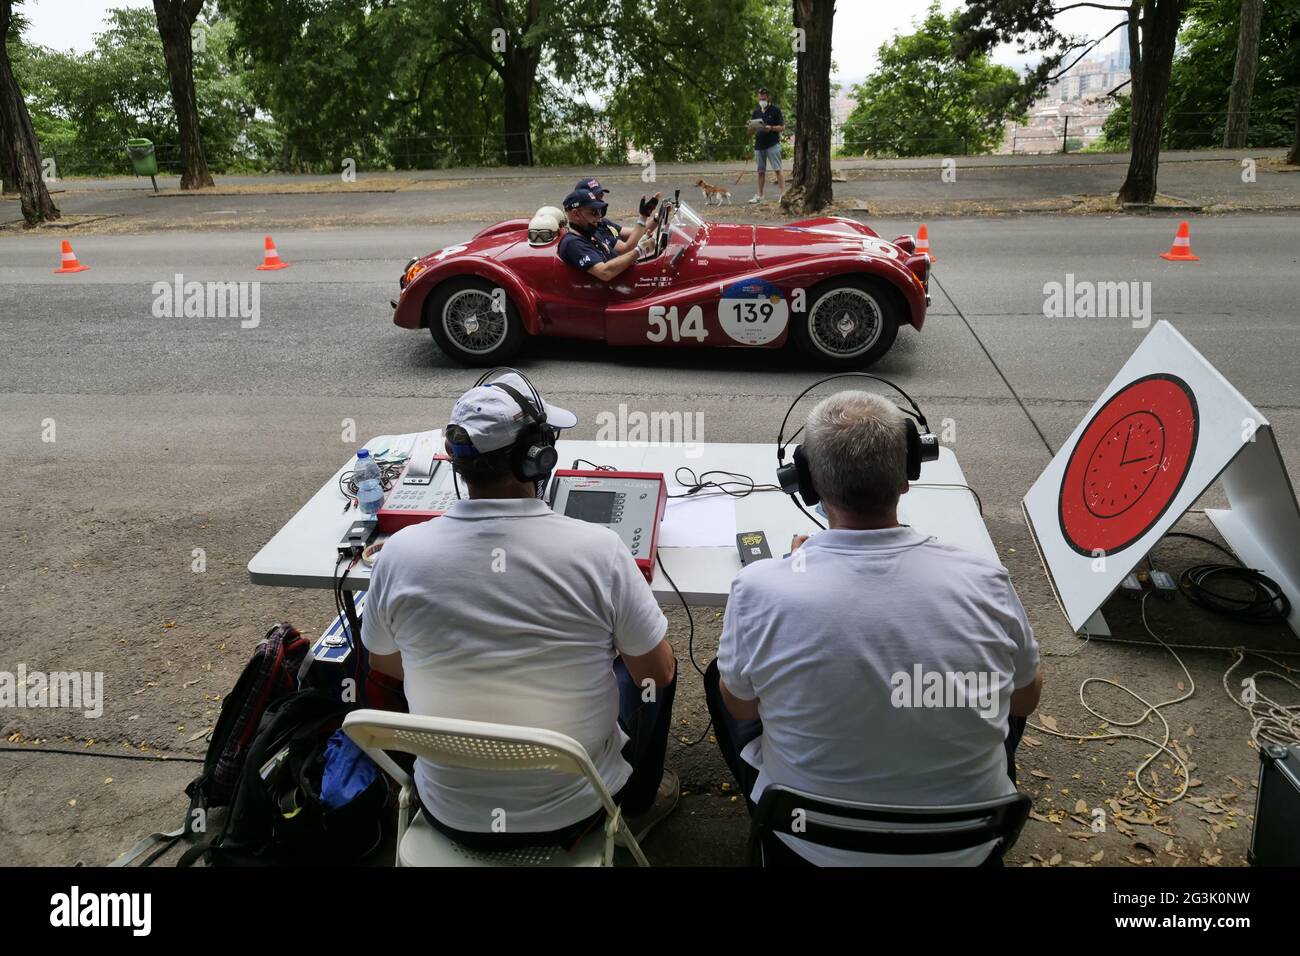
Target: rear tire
(851, 321)
(465, 318)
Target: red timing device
(423, 492)
(629, 503)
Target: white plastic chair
(483, 746)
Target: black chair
(873, 828)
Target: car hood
(489, 243)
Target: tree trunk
(175, 20)
(1134, 61)
(22, 154)
(518, 79)
(1160, 22)
(810, 176)
(1243, 74)
(1293, 157)
(8, 169)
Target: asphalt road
(177, 433)
(325, 326)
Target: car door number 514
(665, 322)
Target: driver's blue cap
(582, 197)
(593, 185)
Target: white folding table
(303, 553)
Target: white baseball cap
(494, 419)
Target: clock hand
(1134, 461)
(1124, 453)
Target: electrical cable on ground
(1162, 746)
(160, 758)
(1270, 720)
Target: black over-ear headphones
(533, 456)
(796, 477)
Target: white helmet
(546, 225)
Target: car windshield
(682, 230)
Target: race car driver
(621, 232)
(591, 247)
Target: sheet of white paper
(703, 521)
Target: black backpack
(277, 816)
(280, 664)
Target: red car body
(713, 284)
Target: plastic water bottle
(370, 490)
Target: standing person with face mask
(766, 125)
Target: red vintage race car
(832, 284)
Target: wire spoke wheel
(845, 322)
(472, 320)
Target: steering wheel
(666, 211)
(654, 240)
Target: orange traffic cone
(69, 263)
(271, 260)
(923, 242)
(1181, 250)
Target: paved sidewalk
(909, 188)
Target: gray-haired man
(815, 686)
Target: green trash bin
(143, 159)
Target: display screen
(594, 506)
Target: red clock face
(1128, 464)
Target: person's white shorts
(768, 157)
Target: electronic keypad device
(426, 489)
(629, 503)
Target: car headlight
(413, 269)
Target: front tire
(467, 321)
(851, 321)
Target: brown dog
(714, 195)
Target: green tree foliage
(300, 85)
(680, 76)
(85, 107)
(1198, 90)
(1114, 131)
(409, 83)
(924, 100)
(1202, 73)
(366, 82)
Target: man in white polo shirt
(503, 611)
(828, 657)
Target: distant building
(1119, 60)
(1074, 107)
(1088, 78)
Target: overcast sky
(861, 26)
